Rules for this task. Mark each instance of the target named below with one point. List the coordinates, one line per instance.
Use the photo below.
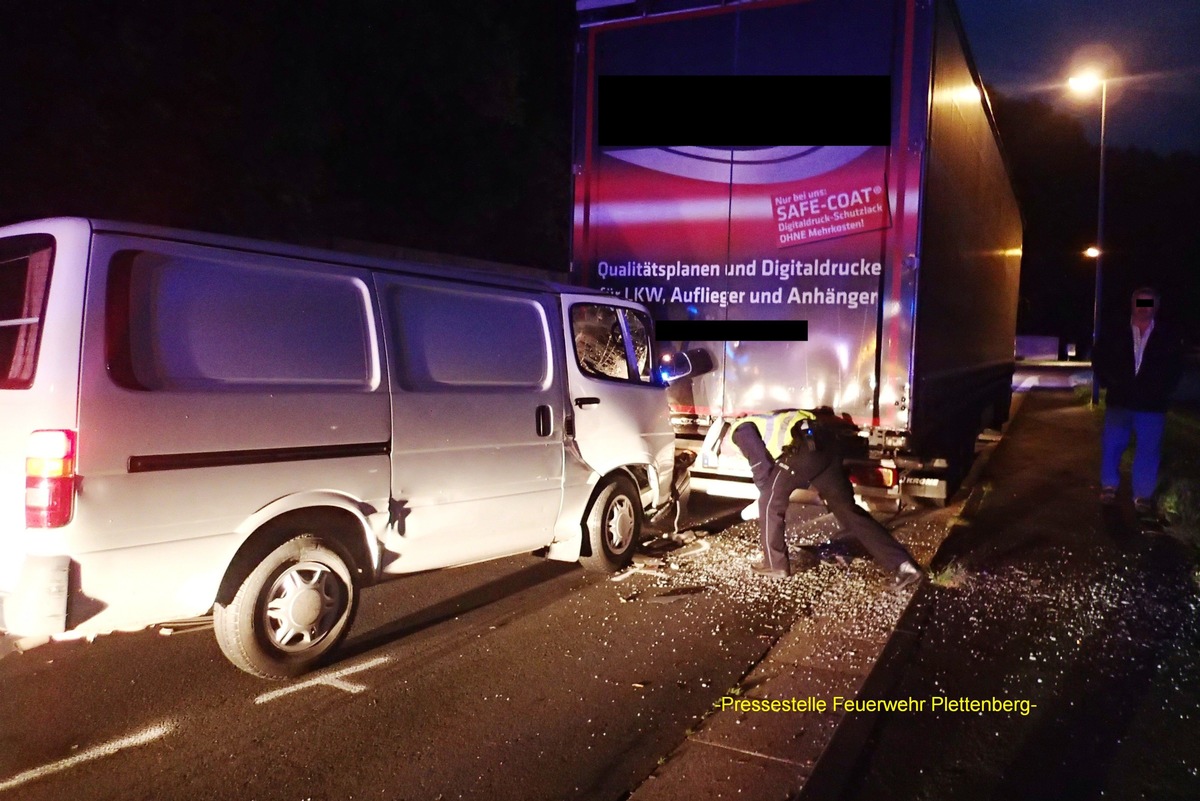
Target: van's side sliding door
(477, 415)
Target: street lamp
(1086, 83)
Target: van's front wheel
(290, 610)
(613, 526)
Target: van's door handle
(581, 402)
(545, 421)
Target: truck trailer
(813, 193)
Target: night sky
(440, 126)
(1028, 48)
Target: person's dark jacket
(1162, 366)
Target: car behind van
(194, 423)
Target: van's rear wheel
(290, 610)
(613, 525)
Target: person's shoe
(1108, 495)
(750, 512)
(907, 575)
(1145, 507)
(763, 569)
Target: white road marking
(108, 749)
(326, 680)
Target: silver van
(194, 423)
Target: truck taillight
(873, 476)
(49, 479)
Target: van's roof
(363, 254)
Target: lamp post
(1087, 83)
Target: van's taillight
(873, 476)
(49, 479)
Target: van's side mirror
(673, 367)
(682, 364)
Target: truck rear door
(758, 196)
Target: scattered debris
(649, 569)
(186, 626)
(684, 537)
(953, 576)
(674, 595)
(656, 548)
(691, 550)
(674, 566)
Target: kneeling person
(789, 450)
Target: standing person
(1140, 363)
(790, 450)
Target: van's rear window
(25, 263)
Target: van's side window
(178, 323)
(462, 338)
(600, 346)
(25, 263)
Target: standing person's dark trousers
(798, 468)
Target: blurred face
(1144, 307)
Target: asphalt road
(516, 679)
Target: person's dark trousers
(838, 494)
(799, 469)
(774, 489)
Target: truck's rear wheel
(292, 608)
(613, 526)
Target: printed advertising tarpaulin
(747, 191)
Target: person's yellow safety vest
(776, 428)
